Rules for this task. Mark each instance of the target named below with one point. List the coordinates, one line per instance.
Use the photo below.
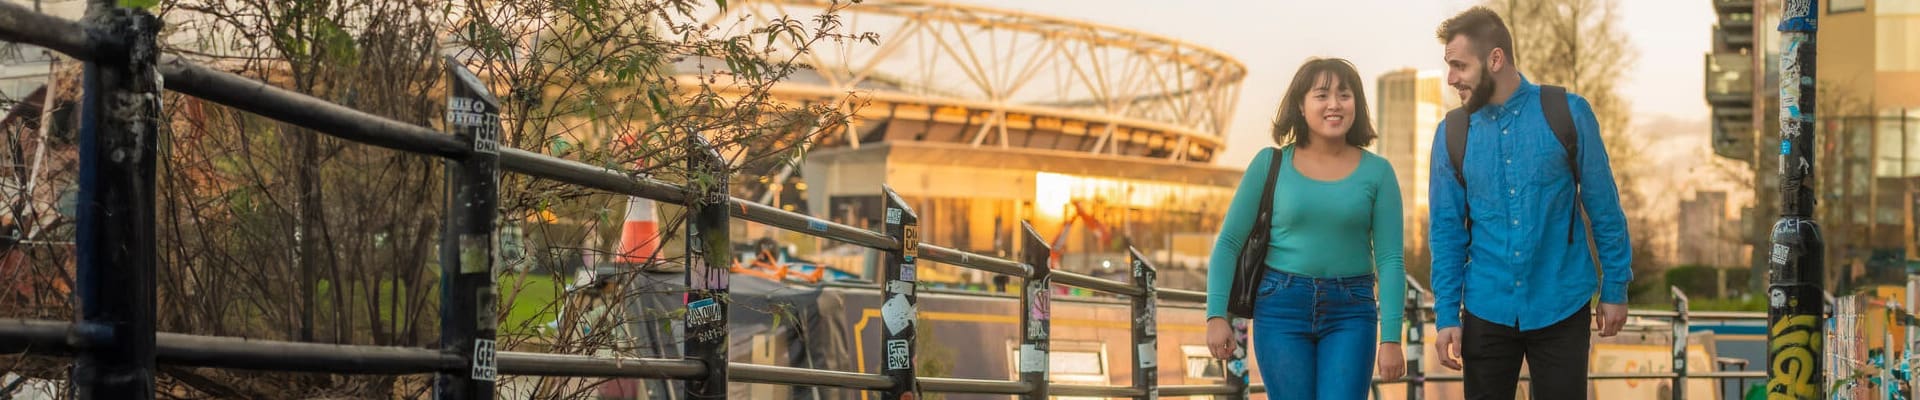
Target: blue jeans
(1315, 337)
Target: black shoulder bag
(1252, 266)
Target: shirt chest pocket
(1546, 160)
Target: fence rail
(467, 365)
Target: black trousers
(1556, 358)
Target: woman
(1318, 323)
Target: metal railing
(116, 346)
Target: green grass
(1705, 304)
(533, 305)
(530, 301)
(1756, 303)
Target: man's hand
(1220, 338)
(1392, 361)
(1612, 317)
(1447, 344)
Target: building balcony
(1733, 135)
(1735, 22)
(1731, 6)
(1727, 38)
(1729, 79)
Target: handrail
(469, 359)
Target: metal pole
(1036, 299)
(900, 312)
(116, 252)
(1416, 351)
(1679, 343)
(709, 253)
(1794, 295)
(468, 296)
(1888, 358)
(1146, 356)
(1913, 336)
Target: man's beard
(1482, 91)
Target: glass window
(1892, 7)
(1898, 150)
(1894, 38)
(1841, 6)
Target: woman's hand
(1392, 361)
(1220, 338)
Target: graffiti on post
(1791, 350)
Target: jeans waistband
(1289, 277)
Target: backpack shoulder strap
(1457, 123)
(1553, 103)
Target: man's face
(1468, 73)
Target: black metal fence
(116, 348)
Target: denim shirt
(1528, 266)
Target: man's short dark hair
(1484, 29)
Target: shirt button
(1511, 192)
(1516, 254)
(1518, 284)
(1509, 161)
(1503, 131)
(1516, 222)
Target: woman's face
(1328, 109)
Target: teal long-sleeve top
(1322, 229)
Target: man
(1506, 231)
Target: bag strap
(1264, 218)
(1553, 103)
(1457, 123)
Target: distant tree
(1581, 45)
(272, 231)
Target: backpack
(1553, 103)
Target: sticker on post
(1032, 359)
(907, 272)
(899, 355)
(897, 313)
(899, 286)
(1147, 357)
(703, 312)
(483, 365)
(910, 242)
(893, 215)
(476, 254)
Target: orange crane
(1079, 213)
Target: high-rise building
(1868, 76)
(1410, 105)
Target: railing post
(900, 311)
(1236, 371)
(1416, 350)
(709, 253)
(468, 296)
(1036, 299)
(1679, 344)
(120, 132)
(1146, 366)
(1796, 266)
